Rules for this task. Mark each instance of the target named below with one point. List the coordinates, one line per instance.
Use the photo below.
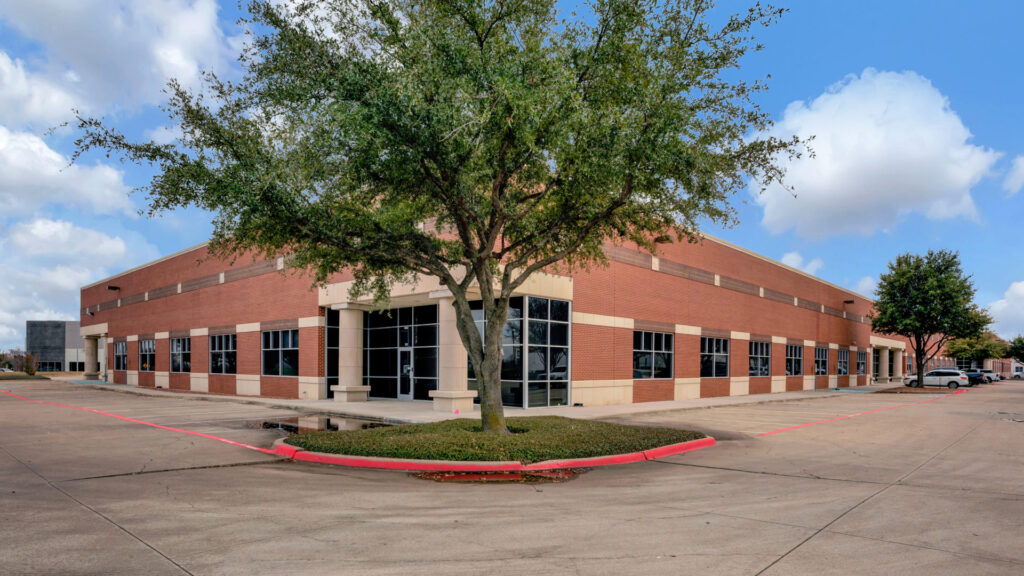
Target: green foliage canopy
(1016, 349)
(979, 349)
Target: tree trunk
(485, 355)
(492, 411)
(920, 371)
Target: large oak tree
(524, 139)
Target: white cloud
(46, 262)
(123, 50)
(886, 144)
(1008, 313)
(42, 237)
(795, 260)
(866, 286)
(28, 99)
(1015, 179)
(34, 175)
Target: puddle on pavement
(314, 423)
(503, 477)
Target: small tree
(30, 365)
(928, 300)
(523, 140)
(1016, 349)
(979, 349)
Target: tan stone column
(453, 394)
(350, 386)
(883, 368)
(92, 363)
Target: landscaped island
(535, 439)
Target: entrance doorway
(405, 373)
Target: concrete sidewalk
(410, 412)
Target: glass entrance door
(405, 373)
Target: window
(821, 361)
(147, 355)
(794, 360)
(281, 353)
(714, 357)
(512, 361)
(222, 354)
(843, 363)
(862, 362)
(547, 352)
(652, 355)
(120, 355)
(760, 358)
(181, 354)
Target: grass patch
(532, 440)
(20, 376)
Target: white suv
(947, 377)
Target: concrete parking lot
(914, 485)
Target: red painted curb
(454, 466)
(673, 449)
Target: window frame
(709, 349)
(150, 354)
(794, 356)
(843, 362)
(862, 362)
(293, 338)
(184, 355)
(120, 356)
(653, 350)
(764, 360)
(219, 350)
(821, 360)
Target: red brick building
(698, 320)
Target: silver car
(947, 377)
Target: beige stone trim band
(602, 320)
(312, 322)
(93, 330)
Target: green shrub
(30, 365)
(530, 440)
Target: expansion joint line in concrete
(96, 512)
(871, 496)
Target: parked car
(1018, 375)
(6, 370)
(992, 376)
(976, 377)
(948, 377)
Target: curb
(408, 465)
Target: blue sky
(914, 105)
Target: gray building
(56, 345)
